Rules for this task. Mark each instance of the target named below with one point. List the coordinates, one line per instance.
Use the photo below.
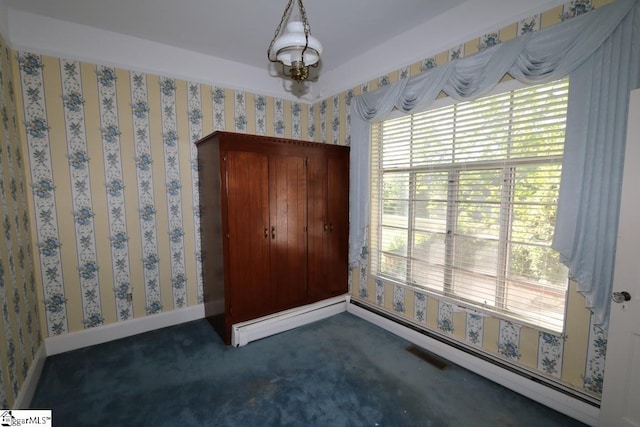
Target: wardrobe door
(318, 228)
(328, 225)
(248, 235)
(337, 254)
(288, 206)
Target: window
(464, 202)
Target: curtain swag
(600, 52)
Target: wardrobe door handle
(326, 227)
(266, 232)
(273, 232)
(331, 227)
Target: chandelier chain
(275, 35)
(305, 22)
(306, 26)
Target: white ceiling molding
(47, 36)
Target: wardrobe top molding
(231, 140)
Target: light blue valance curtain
(600, 51)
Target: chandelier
(296, 49)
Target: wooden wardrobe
(274, 217)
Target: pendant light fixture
(296, 49)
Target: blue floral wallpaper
(113, 173)
(102, 162)
(19, 324)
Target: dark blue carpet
(341, 371)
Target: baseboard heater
(245, 332)
(554, 395)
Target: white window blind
(464, 202)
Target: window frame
(508, 174)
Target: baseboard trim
(245, 332)
(101, 334)
(23, 400)
(561, 402)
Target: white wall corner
(23, 400)
(114, 331)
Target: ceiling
(240, 30)
(361, 39)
